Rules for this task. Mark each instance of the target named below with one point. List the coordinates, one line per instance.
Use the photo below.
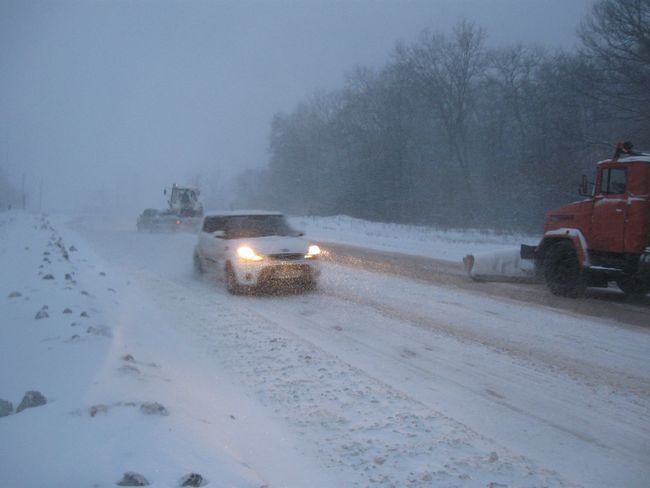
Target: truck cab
(603, 238)
(184, 202)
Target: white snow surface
(445, 244)
(371, 380)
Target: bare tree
(616, 39)
(450, 133)
(447, 71)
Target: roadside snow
(448, 245)
(96, 374)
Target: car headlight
(312, 252)
(248, 254)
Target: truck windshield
(614, 181)
(257, 226)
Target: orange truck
(603, 238)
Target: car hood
(274, 244)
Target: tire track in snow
(601, 303)
(606, 439)
(365, 420)
(581, 371)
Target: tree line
(452, 133)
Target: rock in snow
(41, 314)
(153, 408)
(6, 408)
(133, 479)
(31, 399)
(192, 479)
(98, 409)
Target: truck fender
(574, 235)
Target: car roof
(237, 213)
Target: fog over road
(565, 383)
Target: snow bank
(62, 334)
(449, 245)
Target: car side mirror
(219, 234)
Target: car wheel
(233, 287)
(198, 267)
(562, 270)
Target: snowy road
(382, 376)
(607, 303)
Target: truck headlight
(312, 252)
(248, 254)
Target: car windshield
(257, 226)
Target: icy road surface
(383, 379)
(608, 303)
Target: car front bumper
(269, 272)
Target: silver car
(253, 250)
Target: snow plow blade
(503, 265)
(528, 252)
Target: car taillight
(178, 222)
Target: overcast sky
(130, 95)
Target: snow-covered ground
(448, 245)
(372, 380)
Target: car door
(610, 206)
(219, 243)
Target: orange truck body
(608, 233)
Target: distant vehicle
(149, 219)
(252, 250)
(153, 220)
(184, 212)
(184, 201)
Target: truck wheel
(231, 281)
(562, 271)
(633, 287)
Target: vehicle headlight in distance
(313, 251)
(248, 254)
